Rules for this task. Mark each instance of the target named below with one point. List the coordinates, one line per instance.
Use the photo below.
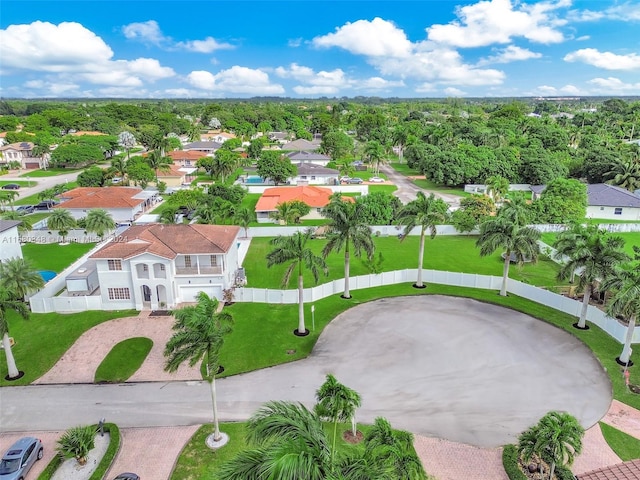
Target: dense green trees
(91, 177)
(562, 201)
(275, 166)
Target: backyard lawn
(630, 239)
(52, 256)
(22, 183)
(51, 172)
(445, 252)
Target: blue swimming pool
(254, 179)
(47, 275)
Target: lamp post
(313, 317)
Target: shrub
(77, 442)
(510, 463)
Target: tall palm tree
(337, 402)
(294, 249)
(595, 255)
(625, 282)
(99, 221)
(517, 241)
(8, 302)
(61, 220)
(374, 152)
(168, 215)
(625, 174)
(18, 276)
(556, 439)
(347, 229)
(243, 217)
(158, 162)
(224, 163)
(567, 242)
(427, 213)
(119, 168)
(199, 332)
(290, 212)
(7, 197)
(399, 137)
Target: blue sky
(311, 49)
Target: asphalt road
(452, 368)
(39, 183)
(407, 190)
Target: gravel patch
(71, 470)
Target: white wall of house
(315, 180)
(613, 213)
(10, 244)
(118, 214)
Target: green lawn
(400, 255)
(51, 172)
(605, 221)
(197, 461)
(45, 337)
(429, 185)
(35, 199)
(625, 446)
(404, 169)
(52, 256)
(123, 360)
(631, 239)
(36, 217)
(382, 188)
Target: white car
(344, 179)
(377, 180)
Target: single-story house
(10, 240)
(219, 137)
(159, 266)
(612, 203)
(315, 197)
(186, 158)
(176, 175)
(204, 147)
(22, 152)
(309, 157)
(123, 203)
(313, 174)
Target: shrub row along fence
(488, 282)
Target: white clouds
(510, 54)
(497, 21)
(376, 38)
(606, 60)
(238, 80)
(147, 32)
(42, 46)
(614, 86)
(454, 92)
(550, 91)
(314, 83)
(378, 83)
(623, 12)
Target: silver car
(19, 459)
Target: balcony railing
(203, 271)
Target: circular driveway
(453, 368)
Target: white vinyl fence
(487, 282)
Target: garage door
(188, 293)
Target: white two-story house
(157, 267)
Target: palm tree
(399, 136)
(294, 249)
(8, 302)
(168, 215)
(347, 228)
(374, 151)
(497, 187)
(119, 168)
(243, 217)
(625, 282)
(99, 221)
(290, 443)
(77, 442)
(19, 277)
(157, 161)
(595, 255)
(427, 213)
(41, 151)
(199, 332)
(8, 197)
(517, 241)
(556, 439)
(337, 402)
(625, 174)
(290, 212)
(62, 221)
(224, 163)
(566, 244)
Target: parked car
(344, 179)
(11, 186)
(24, 209)
(376, 180)
(46, 205)
(20, 457)
(355, 180)
(127, 476)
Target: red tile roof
(168, 241)
(178, 155)
(621, 471)
(315, 197)
(101, 197)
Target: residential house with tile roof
(186, 158)
(206, 148)
(309, 157)
(313, 174)
(316, 197)
(10, 240)
(301, 145)
(176, 175)
(219, 137)
(124, 204)
(158, 266)
(22, 152)
(612, 203)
